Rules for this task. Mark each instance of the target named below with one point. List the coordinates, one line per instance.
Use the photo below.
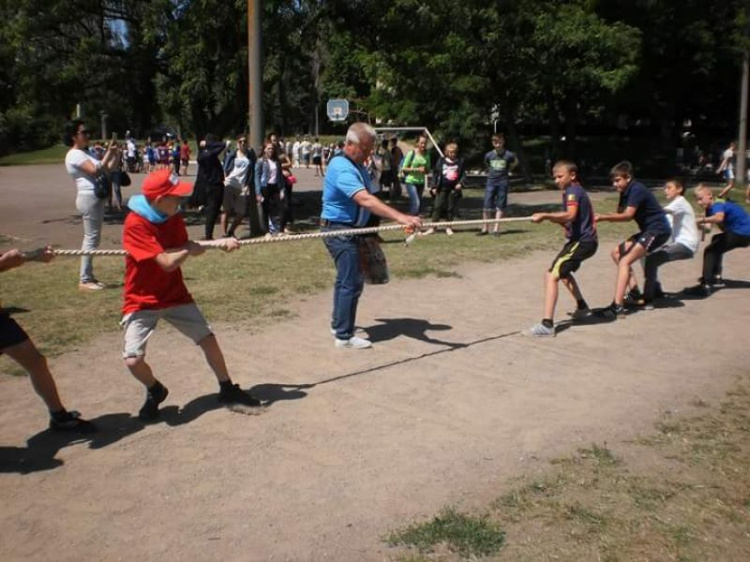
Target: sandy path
(449, 403)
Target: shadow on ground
(41, 449)
(390, 329)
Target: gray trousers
(91, 209)
(667, 253)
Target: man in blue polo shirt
(347, 204)
(639, 204)
(735, 224)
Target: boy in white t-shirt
(682, 246)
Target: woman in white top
(682, 246)
(85, 170)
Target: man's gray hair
(358, 132)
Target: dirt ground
(448, 405)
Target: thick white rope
(217, 244)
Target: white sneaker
(449, 231)
(353, 343)
(428, 232)
(333, 331)
(541, 331)
(91, 286)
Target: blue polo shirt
(649, 215)
(736, 219)
(343, 180)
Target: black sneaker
(233, 394)
(718, 283)
(71, 421)
(634, 299)
(150, 409)
(659, 291)
(482, 233)
(701, 290)
(612, 312)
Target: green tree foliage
(689, 68)
(548, 66)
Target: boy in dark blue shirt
(639, 204)
(735, 224)
(577, 218)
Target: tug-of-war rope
(217, 244)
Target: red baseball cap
(164, 182)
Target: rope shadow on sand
(270, 393)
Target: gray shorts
(139, 326)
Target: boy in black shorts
(577, 218)
(639, 204)
(16, 344)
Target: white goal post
(423, 130)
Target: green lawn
(52, 155)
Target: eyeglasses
(241, 140)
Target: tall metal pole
(741, 178)
(255, 87)
(255, 95)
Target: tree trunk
(571, 120)
(554, 127)
(283, 78)
(514, 140)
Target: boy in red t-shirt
(157, 243)
(184, 157)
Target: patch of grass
(51, 155)
(687, 498)
(586, 516)
(602, 456)
(465, 534)
(599, 456)
(648, 497)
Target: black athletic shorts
(10, 332)
(571, 256)
(649, 240)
